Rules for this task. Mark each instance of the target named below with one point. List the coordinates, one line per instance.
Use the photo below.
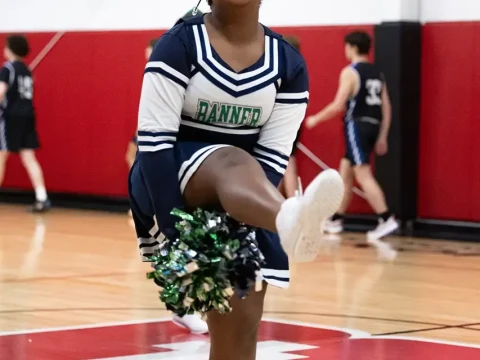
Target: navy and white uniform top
(19, 98)
(366, 105)
(192, 104)
(190, 94)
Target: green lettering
(202, 110)
(256, 115)
(227, 113)
(213, 113)
(224, 111)
(246, 117)
(236, 111)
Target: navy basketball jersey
(190, 94)
(19, 99)
(367, 102)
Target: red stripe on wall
(449, 174)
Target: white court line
(433, 341)
(81, 327)
(355, 334)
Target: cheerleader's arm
(277, 136)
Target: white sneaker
(333, 226)
(301, 219)
(194, 323)
(383, 229)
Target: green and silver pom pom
(213, 257)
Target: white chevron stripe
(271, 156)
(215, 71)
(168, 69)
(293, 96)
(228, 72)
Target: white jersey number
(374, 87)
(25, 87)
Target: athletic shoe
(383, 229)
(41, 206)
(299, 217)
(333, 226)
(194, 323)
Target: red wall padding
(449, 174)
(87, 92)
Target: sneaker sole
(320, 201)
(334, 231)
(372, 236)
(180, 324)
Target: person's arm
(3, 90)
(381, 147)
(277, 136)
(164, 85)
(345, 89)
(5, 80)
(131, 152)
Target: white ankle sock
(41, 193)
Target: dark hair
(152, 43)
(18, 44)
(292, 40)
(361, 40)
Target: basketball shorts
(360, 140)
(189, 157)
(18, 133)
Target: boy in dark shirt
(18, 132)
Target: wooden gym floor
(79, 272)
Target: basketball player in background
(18, 132)
(367, 122)
(131, 151)
(290, 179)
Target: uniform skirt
(189, 157)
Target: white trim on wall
(58, 15)
(449, 10)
